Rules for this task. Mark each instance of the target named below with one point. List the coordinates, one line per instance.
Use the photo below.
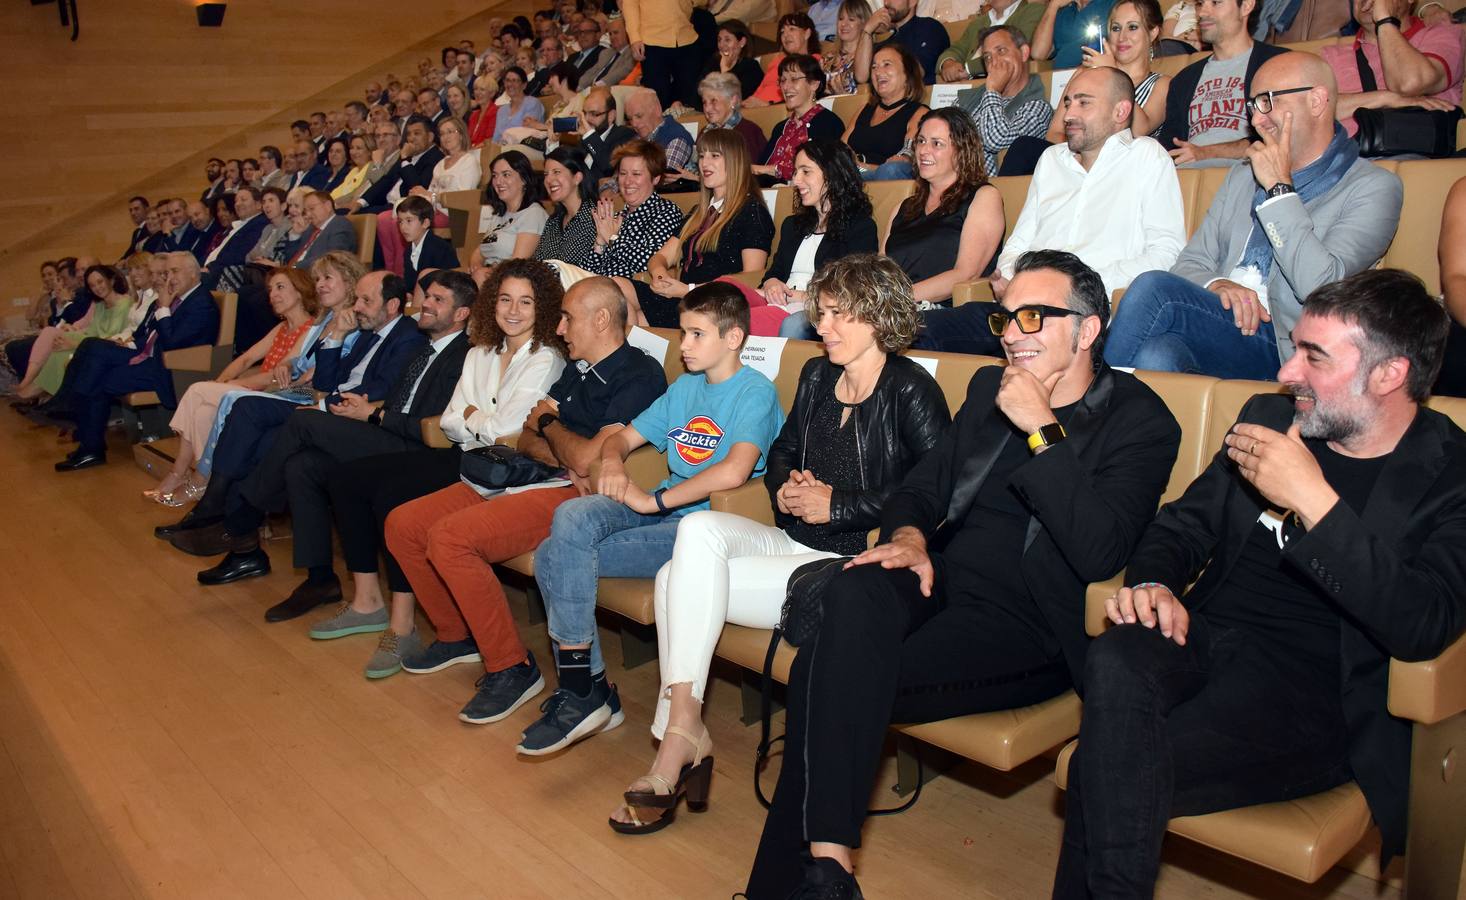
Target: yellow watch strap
(1036, 440)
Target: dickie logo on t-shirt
(698, 440)
(1218, 103)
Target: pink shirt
(1442, 43)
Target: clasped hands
(806, 497)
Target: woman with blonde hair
(840, 66)
(293, 299)
(729, 231)
(359, 149)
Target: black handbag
(500, 466)
(1413, 130)
(799, 621)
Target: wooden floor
(159, 739)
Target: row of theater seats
(1426, 182)
(1302, 839)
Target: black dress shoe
(213, 540)
(78, 459)
(237, 566)
(304, 599)
(189, 522)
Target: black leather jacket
(903, 418)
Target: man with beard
(1331, 528)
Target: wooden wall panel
(146, 95)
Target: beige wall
(145, 93)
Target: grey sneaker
(501, 693)
(387, 660)
(346, 620)
(569, 718)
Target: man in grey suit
(389, 150)
(1302, 211)
(329, 231)
(271, 173)
(616, 65)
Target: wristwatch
(376, 417)
(1280, 189)
(544, 422)
(1387, 20)
(1046, 436)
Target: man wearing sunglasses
(1304, 211)
(973, 601)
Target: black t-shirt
(1268, 596)
(833, 455)
(614, 390)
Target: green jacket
(966, 50)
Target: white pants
(724, 568)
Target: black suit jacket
(398, 348)
(1091, 495)
(409, 175)
(433, 392)
(598, 149)
(437, 253)
(857, 237)
(588, 60)
(1183, 89)
(1395, 573)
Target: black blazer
(399, 347)
(1396, 574)
(1091, 495)
(858, 237)
(409, 175)
(598, 149)
(432, 394)
(437, 253)
(1183, 88)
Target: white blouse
(501, 400)
(462, 176)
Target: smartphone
(1094, 37)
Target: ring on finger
(1253, 449)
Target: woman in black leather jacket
(863, 416)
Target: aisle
(159, 739)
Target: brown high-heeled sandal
(693, 782)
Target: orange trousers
(447, 543)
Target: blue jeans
(796, 325)
(959, 329)
(591, 538)
(889, 171)
(1168, 324)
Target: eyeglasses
(1263, 102)
(1030, 318)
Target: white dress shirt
(501, 397)
(1122, 217)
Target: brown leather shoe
(213, 541)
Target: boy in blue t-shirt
(715, 424)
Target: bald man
(609, 383)
(645, 116)
(1302, 211)
(1107, 196)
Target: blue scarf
(1311, 182)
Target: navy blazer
(193, 322)
(235, 249)
(190, 241)
(437, 253)
(318, 177)
(398, 348)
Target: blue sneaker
(569, 718)
(501, 693)
(439, 655)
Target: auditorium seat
(366, 235)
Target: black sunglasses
(1263, 102)
(1030, 318)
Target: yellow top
(660, 23)
(351, 183)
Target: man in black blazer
(1329, 534)
(602, 135)
(414, 168)
(424, 249)
(973, 601)
(381, 346)
(310, 447)
(137, 210)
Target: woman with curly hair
(513, 358)
(863, 415)
(951, 228)
(831, 220)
